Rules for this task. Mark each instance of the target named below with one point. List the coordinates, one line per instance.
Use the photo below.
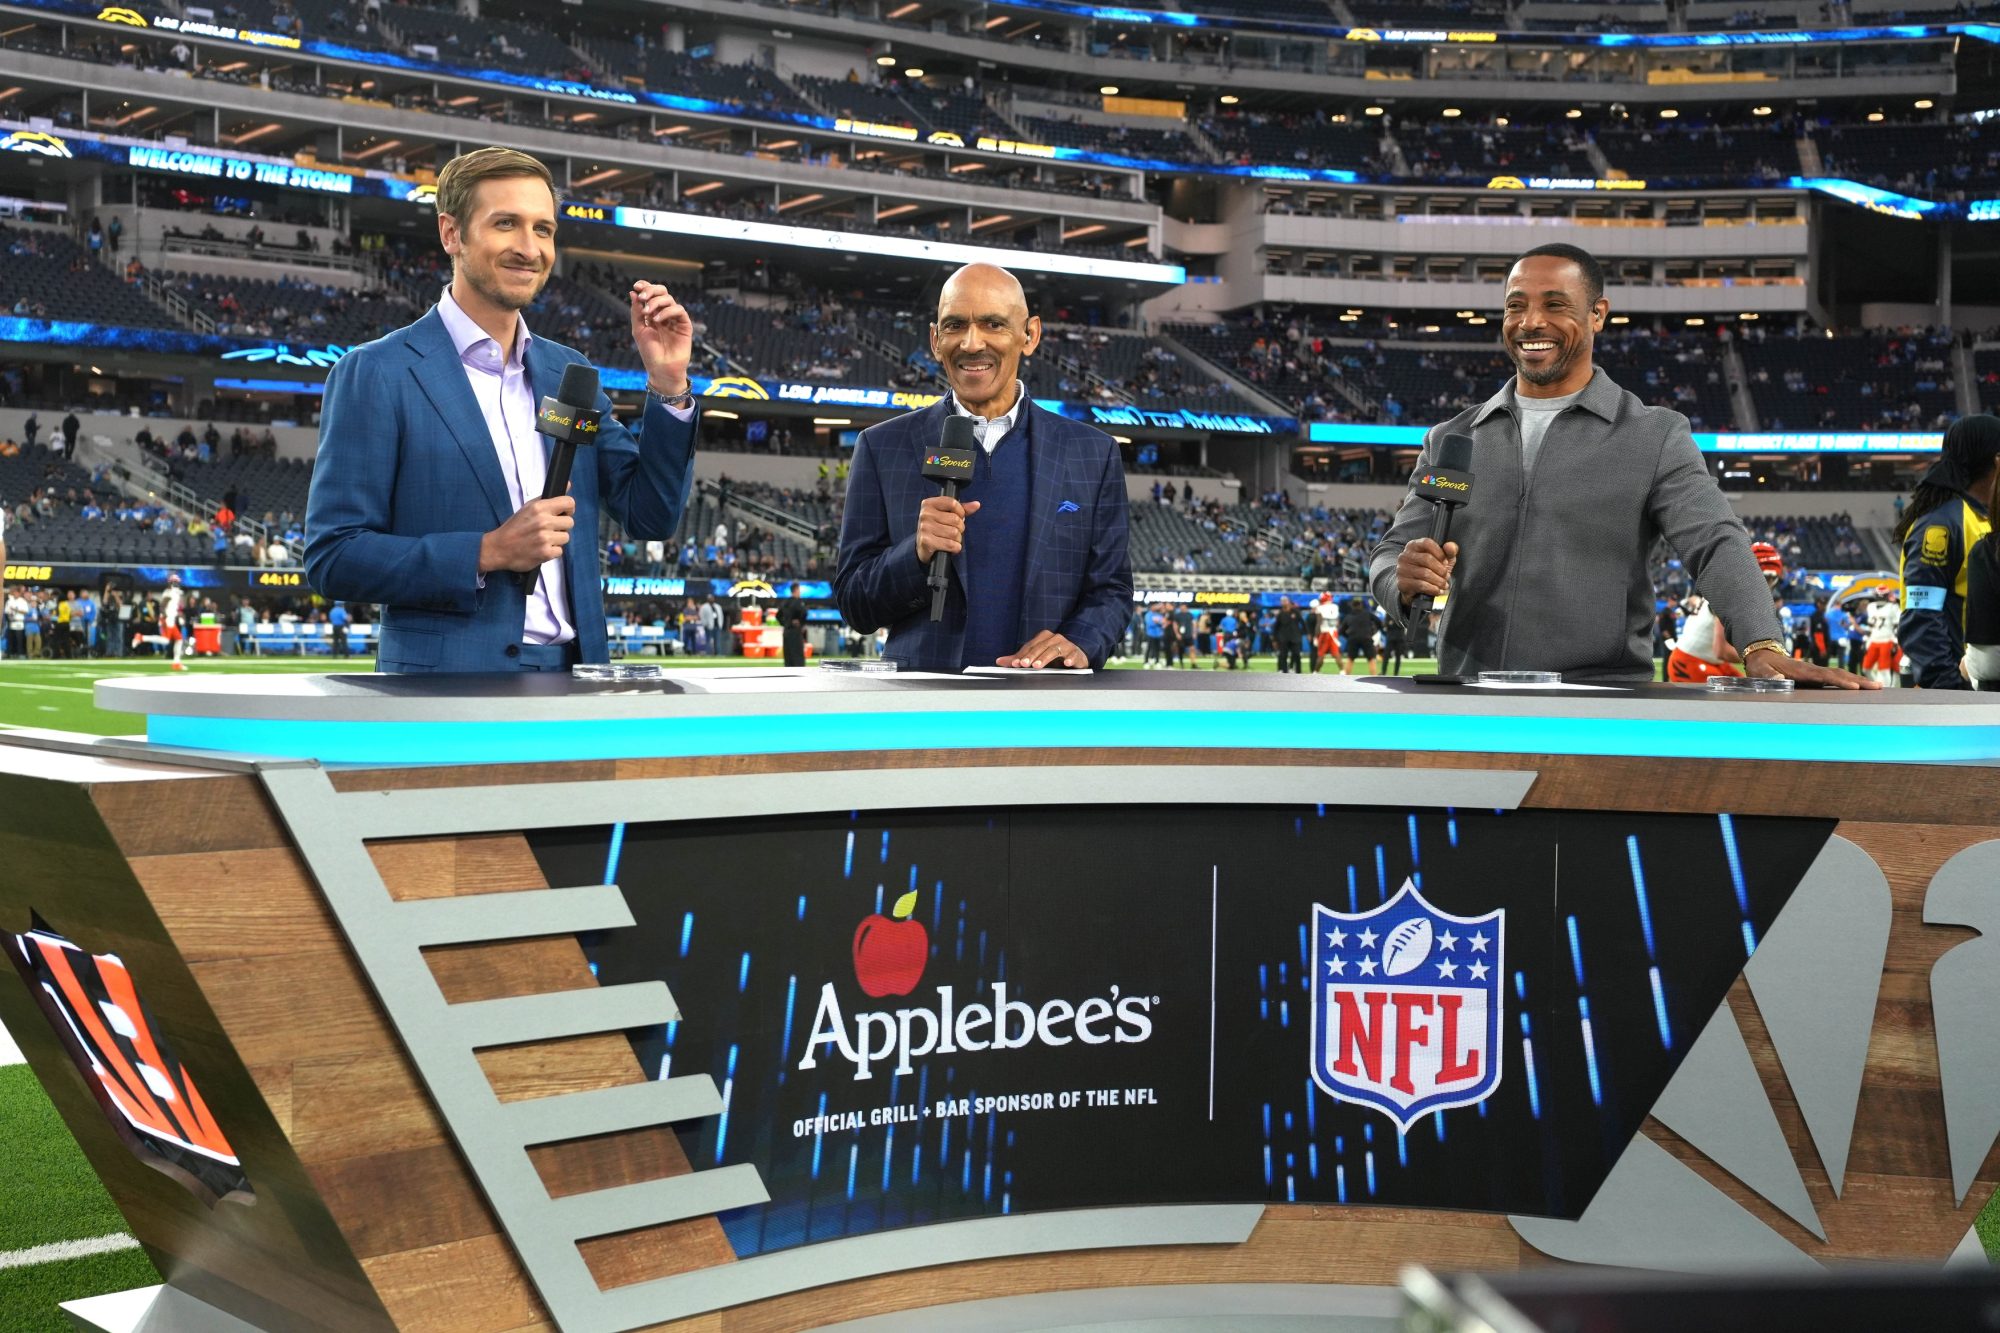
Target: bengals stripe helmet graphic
(127, 1062)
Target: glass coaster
(1520, 678)
(1749, 685)
(618, 671)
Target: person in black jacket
(792, 618)
(1288, 635)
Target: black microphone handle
(556, 484)
(940, 576)
(1420, 605)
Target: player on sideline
(1883, 655)
(170, 620)
(1703, 648)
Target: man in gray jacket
(1576, 480)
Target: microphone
(950, 463)
(569, 417)
(1446, 484)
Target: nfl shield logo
(1407, 1005)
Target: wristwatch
(684, 399)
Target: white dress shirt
(507, 404)
(989, 431)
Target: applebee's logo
(1407, 1003)
(890, 951)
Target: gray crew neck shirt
(1536, 414)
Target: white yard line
(10, 1054)
(66, 1249)
(60, 689)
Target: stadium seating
(1913, 159)
(1124, 140)
(291, 308)
(1758, 151)
(675, 72)
(463, 40)
(1299, 140)
(1254, 539)
(1866, 381)
(1482, 152)
(46, 275)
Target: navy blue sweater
(996, 548)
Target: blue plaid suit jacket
(1079, 574)
(408, 481)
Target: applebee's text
(947, 1028)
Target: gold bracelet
(1771, 644)
(683, 399)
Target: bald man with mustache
(1040, 574)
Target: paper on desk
(1538, 685)
(1027, 671)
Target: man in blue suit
(427, 492)
(1040, 575)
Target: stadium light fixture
(993, 23)
(901, 10)
(1452, 113)
(1477, 319)
(882, 213)
(1574, 113)
(1350, 319)
(1371, 111)
(1090, 230)
(913, 73)
(993, 221)
(1431, 328)
(1229, 99)
(833, 421)
(711, 414)
(1924, 104)
(1354, 310)
(1467, 314)
(1122, 439)
(702, 188)
(1695, 321)
(1668, 113)
(885, 60)
(1760, 111)
(801, 200)
(1109, 90)
(1748, 314)
(1874, 117)
(1502, 121)
(1621, 319)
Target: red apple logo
(890, 951)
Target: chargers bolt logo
(890, 951)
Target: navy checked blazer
(1079, 574)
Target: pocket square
(1068, 507)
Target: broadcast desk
(753, 999)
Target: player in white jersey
(170, 619)
(1883, 654)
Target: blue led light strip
(509, 742)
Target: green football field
(60, 1236)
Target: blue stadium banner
(916, 1023)
(1709, 442)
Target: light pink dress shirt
(507, 404)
